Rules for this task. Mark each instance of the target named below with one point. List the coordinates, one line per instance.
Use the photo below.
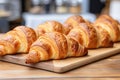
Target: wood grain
(106, 69)
(66, 64)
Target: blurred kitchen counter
(106, 69)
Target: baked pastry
(54, 45)
(118, 23)
(110, 25)
(72, 22)
(67, 28)
(91, 35)
(104, 39)
(17, 40)
(49, 26)
(85, 34)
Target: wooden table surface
(107, 69)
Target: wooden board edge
(85, 62)
(22, 63)
(65, 68)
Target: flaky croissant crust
(54, 45)
(111, 25)
(17, 40)
(49, 26)
(85, 34)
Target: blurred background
(33, 12)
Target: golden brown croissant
(104, 39)
(85, 34)
(54, 45)
(17, 40)
(49, 26)
(72, 22)
(118, 24)
(110, 25)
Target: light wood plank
(99, 69)
(66, 79)
(66, 64)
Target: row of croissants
(53, 40)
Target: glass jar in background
(61, 6)
(46, 5)
(52, 6)
(74, 6)
(10, 8)
(42, 6)
(4, 8)
(37, 7)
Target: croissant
(72, 22)
(85, 34)
(104, 39)
(49, 26)
(54, 45)
(17, 40)
(110, 25)
(88, 34)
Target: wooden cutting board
(66, 64)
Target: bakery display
(17, 40)
(53, 40)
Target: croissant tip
(1, 52)
(28, 61)
(32, 58)
(85, 51)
